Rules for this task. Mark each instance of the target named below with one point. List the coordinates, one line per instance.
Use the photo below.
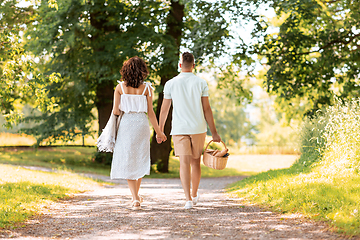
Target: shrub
(324, 182)
(103, 158)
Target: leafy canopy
(312, 51)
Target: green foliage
(313, 53)
(272, 128)
(323, 183)
(232, 122)
(23, 192)
(103, 158)
(11, 64)
(80, 46)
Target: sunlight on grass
(14, 139)
(324, 183)
(81, 160)
(76, 159)
(332, 198)
(174, 166)
(24, 192)
(11, 139)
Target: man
(191, 111)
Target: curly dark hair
(134, 71)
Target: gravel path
(105, 214)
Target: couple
(191, 110)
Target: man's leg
(185, 176)
(195, 175)
(197, 145)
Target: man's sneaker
(188, 205)
(196, 199)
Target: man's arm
(210, 118)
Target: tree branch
(330, 44)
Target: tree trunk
(160, 152)
(104, 89)
(104, 104)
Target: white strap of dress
(148, 85)
(122, 88)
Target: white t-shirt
(186, 91)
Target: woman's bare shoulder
(118, 87)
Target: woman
(133, 96)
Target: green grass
(80, 160)
(24, 193)
(335, 199)
(324, 184)
(206, 172)
(75, 159)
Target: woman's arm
(165, 107)
(117, 96)
(152, 116)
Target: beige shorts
(192, 144)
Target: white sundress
(131, 157)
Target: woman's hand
(161, 137)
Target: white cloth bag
(106, 140)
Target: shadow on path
(105, 214)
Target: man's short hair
(187, 59)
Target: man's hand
(216, 137)
(160, 138)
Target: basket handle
(211, 142)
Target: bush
(312, 142)
(324, 182)
(103, 158)
(331, 138)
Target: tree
(86, 43)
(232, 121)
(16, 85)
(315, 54)
(82, 45)
(202, 27)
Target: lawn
(81, 160)
(24, 192)
(75, 159)
(324, 184)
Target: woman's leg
(138, 182)
(134, 190)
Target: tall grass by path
(324, 183)
(24, 193)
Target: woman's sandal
(135, 207)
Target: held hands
(161, 137)
(216, 137)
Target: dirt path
(104, 214)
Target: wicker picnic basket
(211, 161)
